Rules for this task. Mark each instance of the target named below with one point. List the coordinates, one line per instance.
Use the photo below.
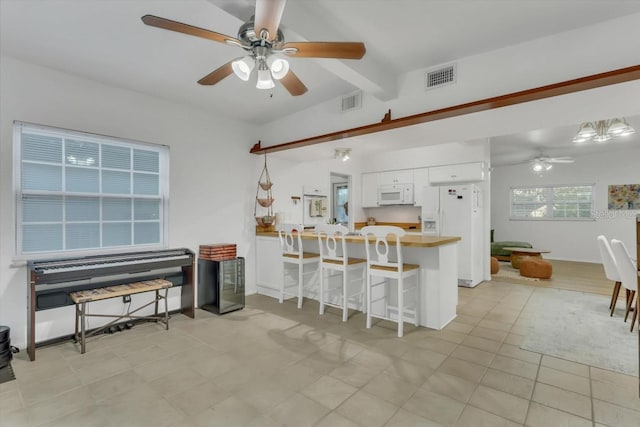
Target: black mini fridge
(221, 285)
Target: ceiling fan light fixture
(603, 130)
(538, 166)
(242, 67)
(279, 66)
(587, 130)
(264, 77)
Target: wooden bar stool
(380, 264)
(334, 257)
(293, 253)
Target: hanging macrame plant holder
(264, 198)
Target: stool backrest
(290, 240)
(376, 243)
(608, 260)
(331, 242)
(626, 268)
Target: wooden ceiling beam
(563, 88)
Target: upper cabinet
(420, 180)
(465, 172)
(396, 177)
(370, 190)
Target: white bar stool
(293, 253)
(379, 264)
(610, 270)
(334, 257)
(628, 276)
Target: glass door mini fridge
(221, 285)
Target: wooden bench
(81, 298)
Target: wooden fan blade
(268, 15)
(167, 24)
(341, 50)
(293, 84)
(216, 75)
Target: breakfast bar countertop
(421, 241)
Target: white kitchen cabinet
(420, 180)
(370, 190)
(396, 177)
(464, 172)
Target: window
(567, 202)
(79, 192)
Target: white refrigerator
(456, 210)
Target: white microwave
(396, 194)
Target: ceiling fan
(543, 163)
(264, 45)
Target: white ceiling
(105, 41)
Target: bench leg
(82, 328)
(75, 335)
(166, 308)
(156, 304)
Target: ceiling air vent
(352, 101)
(440, 77)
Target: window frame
(550, 203)
(18, 192)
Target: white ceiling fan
(544, 163)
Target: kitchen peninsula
(436, 255)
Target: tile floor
(274, 365)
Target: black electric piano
(51, 281)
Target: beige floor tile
(492, 324)
(393, 389)
(329, 391)
(92, 416)
(564, 400)
(461, 327)
(451, 386)
(515, 367)
(468, 320)
(544, 416)
(490, 334)
(613, 415)
(238, 378)
(10, 401)
(366, 409)
(618, 394)
(354, 374)
(38, 392)
(474, 355)
(333, 419)
(517, 353)
(298, 411)
(178, 380)
(434, 407)
(404, 418)
(116, 384)
(59, 406)
(295, 377)
(474, 417)
(463, 369)
(481, 343)
(448, 335)
(216, 365)
(373, 358)
(422, 356)
(500, 403)
(414, 373)
(612, 377)
(564, 380)
(511, 384)
(436, 344)
(565, 366)
(198, 398)
(514, 339)
(229, 412)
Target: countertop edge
(407, 240)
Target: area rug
(577, 327)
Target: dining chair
(610, 269)
(334, 257)
(381, 264)
(628, 276)
(293, 254)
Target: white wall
(569, 240)
(212, 173)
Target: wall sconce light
(343, 154)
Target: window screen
(82, 192)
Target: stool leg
(400, 307)
(416, 307)
(300, 283)
(368, 298)
(363, 291)
(630, 296)
(321, 296)
(345, 307)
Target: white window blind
(82, 192)
(566, 202)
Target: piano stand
(81, 298)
